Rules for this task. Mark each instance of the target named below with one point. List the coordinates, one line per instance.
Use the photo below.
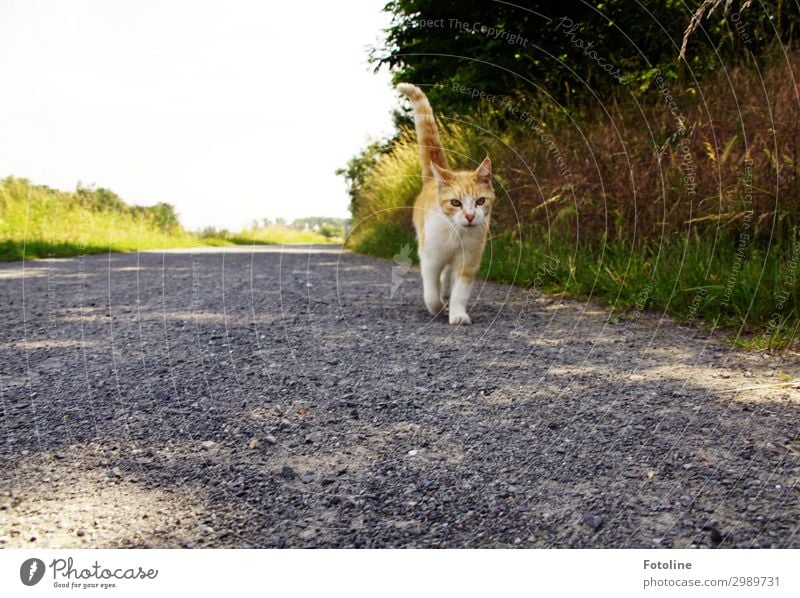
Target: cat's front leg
(431, 271)
(445, 282)
(462, 289)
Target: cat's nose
(470, 217)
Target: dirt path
(282, 398)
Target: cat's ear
(440, 175)
(484, 172)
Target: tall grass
(40, 222)
(687, 203)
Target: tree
(567, 50)
(359, 166)
(163, 215)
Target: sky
(230, 110)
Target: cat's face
(466, 197)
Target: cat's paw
(434, 305)
(457, 319)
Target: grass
(619, 205)
(276, 234)
(690, 278)
(38, 222)
(752, 293)
(15, 250)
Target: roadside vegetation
(39, 222)
(676, 190)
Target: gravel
(133, 386)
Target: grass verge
(37, 222)
(714, 283)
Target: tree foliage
(568, 50)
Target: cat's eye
(455, 203)
(480, 201)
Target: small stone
(288, 473)
(253, 444)
(116, 471)
(593, 521)
(308, 477)
(80, 533)
(341, 469)
(270, 439)
(327, 481)
(308, 534)
(413, 452)
(314, 438)
(208, 444)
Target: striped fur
(430, 146)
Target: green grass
(384, 240)
(692, 279)
(38, 222)
(32, 249)
(279, 235)
(753, 293)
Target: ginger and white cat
(451, 217)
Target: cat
(451, 217)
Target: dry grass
(633, 172)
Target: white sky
(229, 110)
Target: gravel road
(303, 397)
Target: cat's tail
(430, 146)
